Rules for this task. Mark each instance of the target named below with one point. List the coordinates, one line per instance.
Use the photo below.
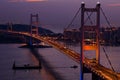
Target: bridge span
(98, 69)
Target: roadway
(98, 69)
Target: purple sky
(55, 13)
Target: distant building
(72, 34)
(108, 36)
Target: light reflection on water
(9, 53)
(58, 62)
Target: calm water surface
(58, 62)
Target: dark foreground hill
(5, 38)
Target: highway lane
(98, 69)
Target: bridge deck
(98, 69)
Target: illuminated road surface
(98, 69)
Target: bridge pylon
(9, 26)
(34, 23)
(89, 34)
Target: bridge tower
(34, 23)
(91, 43)
(9, 24)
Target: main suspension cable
(74, 18)
(108, 22)
(116, 78)
(104, 48)
(108, 59)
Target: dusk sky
(55, 13)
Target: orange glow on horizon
(27, 0)
(114, 5)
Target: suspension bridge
(99, 72)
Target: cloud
(26, 0)
(114, 5)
